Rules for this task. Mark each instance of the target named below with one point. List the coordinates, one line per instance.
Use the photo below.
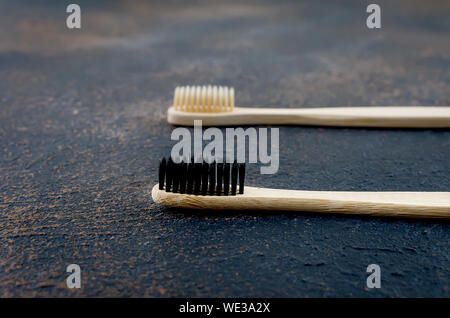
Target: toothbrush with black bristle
(220, 186)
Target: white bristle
(204, 99)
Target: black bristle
(175, 177)
(162, 173)
(234, 175)
(169, 172)
(226, 178)
(201, 178)
(205, 173)
(190, 178)
(241, 177)
(183, 172)
(212, 178)
(197, 177)
(219, 178)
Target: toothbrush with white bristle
(215, 106)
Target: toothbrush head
(201, 178)
(204, 99)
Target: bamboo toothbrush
(218, 187)
(215, 107)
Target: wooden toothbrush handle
(383, 117)
(399, 204)
(386, 117)
(396, 204)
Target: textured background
(82, 127)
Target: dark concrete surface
(83, 125)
